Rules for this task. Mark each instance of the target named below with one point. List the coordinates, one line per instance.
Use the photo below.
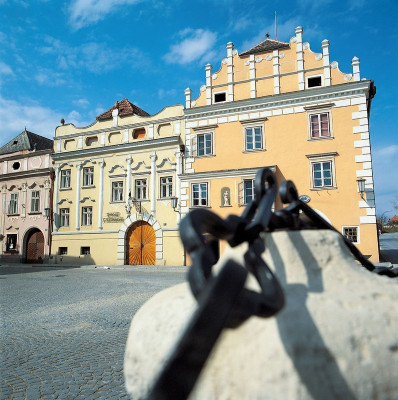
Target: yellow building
(283, 106)
(114, 181)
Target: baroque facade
(26, 189)
(282, 106)
(114, 185)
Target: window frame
(344, 227)
(14, 204)
(318, 110)
(84, 252)
(115, 190)
(88, 176)
(32, 210)
(252, 125)
(139, 188)
(196, 144)
(64, 217)
(8, 240)
(319, 158)
(314, 76)
(87, 216)
(245, 200)
(168, 186)
(62, 252)
(200, 191)
(64, 178)
(220, 92)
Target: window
(35, 201)
(65, 179)
(219, 97)
(322, 174)
(139, 133)
(13, 205)
(166, 186)
(117, 191)
(62, 251)
(314, 81)
(140, 189)
(16, 165)
(84, 250)
(254, 138)
(88, 176)
(87, 216)
(248, 190)
(199, 194)
(204, 144)
(351, 233)
(319, 125)
(64, 216)
(11, 242)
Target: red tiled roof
(265, 46)
(394, 219)
(125, 108)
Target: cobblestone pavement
(64, 330)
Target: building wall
(109, 147)
(21, 173)
(270, 90)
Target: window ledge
(324, 188)
(193, 207)
(34, 213)
(117, 202)
(314, 139)
(253, 151)
(88, 187)
(13, 215)
(65, 188)
(205, 156)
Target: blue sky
(73, 59)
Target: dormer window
(314, 81)
(220, 97)
(16, 165)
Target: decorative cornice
(223, 173)
(332, 153)
(290, 99)
(139, 165)
(87, 198)
(119, 148)
(117, 166)
(26, 174)
(161, 164)
(120, 127)
(62, 200)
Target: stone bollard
(336, 338)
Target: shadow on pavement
(26, 268)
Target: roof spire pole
(276, 28)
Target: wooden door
(35, 247)
(141, 244)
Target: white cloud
(50, 78)
(196, 45)
(86, 12)
(81, 103)
(5, 69)
(166, 93)
(14, 116)
(92, 56)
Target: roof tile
(125, 108)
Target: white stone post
(300, 57)
(78, 167)
(355, 69)
(129, 160)
(101, 194)
(56, 193)
(277, 87)
(252, 76)
(3, 207)
(24, 200)
(230, 61)
(115, 114)
(153, 183)
(208, 69)
(188, 97)
(326, 62)
(179, 158)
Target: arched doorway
(35, 246)
(141, 244)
